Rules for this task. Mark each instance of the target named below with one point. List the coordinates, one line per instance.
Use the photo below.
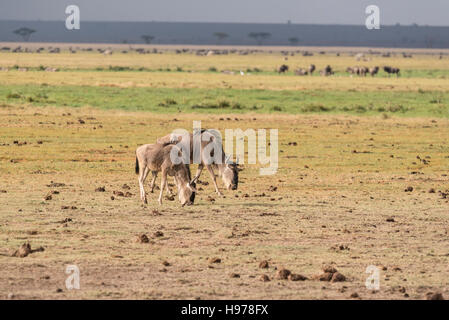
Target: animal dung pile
(330, 274)
(142, 238)
(214, 260)
(264, 264)
(283, 274)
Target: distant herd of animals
(327, 71)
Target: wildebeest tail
(137, 166)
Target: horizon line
(211, 22)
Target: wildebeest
(352, 70)
(155, 158)
(326, 71)
(311, 69)
(391, 70)
(373, 71)
(301, 72)
(227, 169)
(283, 68)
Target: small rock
(263, 264)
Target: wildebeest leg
(142, 176)
(163, 182)
(198, 173)
(214, 179)
(168, 190)
(154, 173)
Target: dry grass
(338, 186)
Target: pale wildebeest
(283, 68)
(352, 70)
(373, 71)
(363, 71)
(206, 141)
(311, 69)
(301, 72)
(155, 158)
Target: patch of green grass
(420, 103)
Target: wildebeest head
(185, 192)
(230, 175)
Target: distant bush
(119, 68)
(167, 102)
(213, 69)
(13, 96)
(315, 108)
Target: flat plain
(362, 177)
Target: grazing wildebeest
(155, 158)
(363, 71)
(327, 71)
(301, 72)
(227, 169)
(391, 70)
(373, 71)
(283, 68)
(311, 69)
(352, 70)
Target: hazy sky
(423, 12)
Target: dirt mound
(283, 274)
(264, 278)
(296, 277)
(142, 238)
(331, 274)
(25, 250)
(158, 234)
(434, 296)
(214, 260)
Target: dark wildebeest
(391, 70)
(283, 68)
(327, 71)
(155, 158)
(227, 169)
(311, 69)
